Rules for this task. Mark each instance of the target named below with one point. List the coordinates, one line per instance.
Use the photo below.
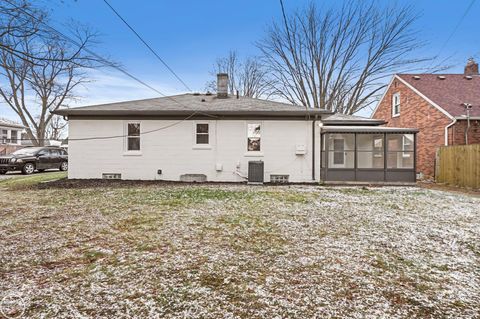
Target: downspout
(446, 131)
(313, 147)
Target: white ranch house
(225, 138)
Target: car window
(43, 153)
(54, 152)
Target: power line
(146, 44)
(110, 64)
(455, 28)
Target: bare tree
(338, 59)
(249, 77)
(34, 89)
(21, 19)
(56, 128)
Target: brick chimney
(471, 68)
(222, 85)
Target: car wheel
(64, 166)
(28, 168)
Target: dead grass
(226, 251)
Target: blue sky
(190, 35)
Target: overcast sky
(190, 35)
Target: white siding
(173, 150)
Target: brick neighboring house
(437, 105)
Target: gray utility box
(255, 172)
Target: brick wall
(456, 134)
(415, 112)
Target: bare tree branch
(249, 77)
(338, 59)
(34, 89)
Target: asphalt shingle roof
(10, 123)
(188, 103)
(449, 91)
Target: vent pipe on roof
(222, 85)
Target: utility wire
(110, 64)
(455, 29)
(146, 44)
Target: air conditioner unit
(255, 172)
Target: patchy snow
(233, 251)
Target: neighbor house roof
(448, 91)
(9, 123)
(186, 104)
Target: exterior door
(55, 158)
(43, 159)
(338, 153)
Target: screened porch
(368, 154)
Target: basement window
(133, 136)
(396, 104)
(279, 179)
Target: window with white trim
(396, 104)
(202, 131)
(253, 137)
(14, 136)
(133, 136)
(4, 137)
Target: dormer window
(396, 104)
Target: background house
(444, 107)
(10, 136)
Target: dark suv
(29, 159)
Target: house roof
(344, 119)
(9, 123)
(368, 129)
(448, 91)
(186, 104)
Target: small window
(253, 138)
(396, 104)
(201, 133)
(14, 137)
(4, 137)
(133, 137)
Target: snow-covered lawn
(216, 251)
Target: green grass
(16, 183)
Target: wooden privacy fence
(459, 165)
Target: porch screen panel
(370, 150)
(341, 150)
(400, 151)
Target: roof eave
(93, 113)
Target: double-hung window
(4, 137)
(396, 104)
(253, 138)
(133, 136)
(202, 134)
(14, 137)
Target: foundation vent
(111, 176)
(279, 179)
